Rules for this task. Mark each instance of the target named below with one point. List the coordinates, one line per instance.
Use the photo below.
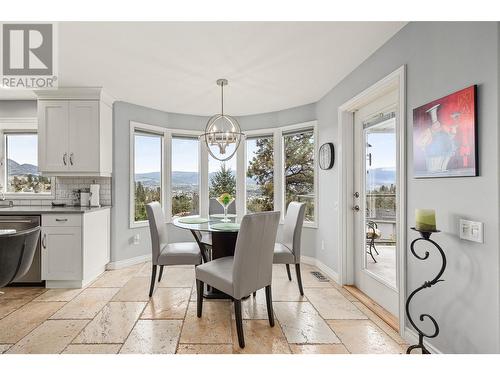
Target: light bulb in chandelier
(223, 133)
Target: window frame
(296, 128)
(166, 187)
(20, 126)
(193, 135)
(279, 168)
(264, 133)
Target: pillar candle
(425, 219)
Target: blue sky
(23, 148)
(147, 154)
(383, 150)
(184, 155)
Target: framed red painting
(445, 136)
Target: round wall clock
(326, 156)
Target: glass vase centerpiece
(225, 200)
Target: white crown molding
(76, 93)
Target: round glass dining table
(216, 239)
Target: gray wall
(440, 59)
(122, 247)
(18, 108)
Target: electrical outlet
(137, 239)
(471, 231)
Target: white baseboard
(323, 267)
(412, 338)
(128, 262)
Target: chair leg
(161, 273)
(199, 298)
(299, 278)
(269, 302)
(153, 278)
(288, 272)
(371, 254)
(239, 322)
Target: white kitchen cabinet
(84, 136)
(53, 131)
(75, 247)
(61, 253)
(75, 133)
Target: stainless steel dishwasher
(34, 275)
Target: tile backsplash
(64, 191)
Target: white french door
(375, 202)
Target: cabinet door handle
(71, 158)
(65, 157)
(43, 240)
(57, 219)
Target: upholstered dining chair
(248, 270)
(287, 251)
(164, 253)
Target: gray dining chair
(250, 268)
(287, 251)
(164, 253)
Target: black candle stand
(425, 236)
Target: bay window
(272, 168)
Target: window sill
(310, 225)
(139, 224)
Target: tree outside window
(260, 174)
(299, 170)
(147, 172)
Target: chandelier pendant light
(222, 133)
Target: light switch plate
(471, 230)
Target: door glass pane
(260, 174)
(380, 209)
(185, 176)
(148, 172)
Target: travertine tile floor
(115, 315)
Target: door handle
(355, 208)
(71, 158)
(57, 219)
(65, 157)
(43, 240)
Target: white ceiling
(173, 66)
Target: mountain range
(15, 168)
(378, 177)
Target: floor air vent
(319, 276)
